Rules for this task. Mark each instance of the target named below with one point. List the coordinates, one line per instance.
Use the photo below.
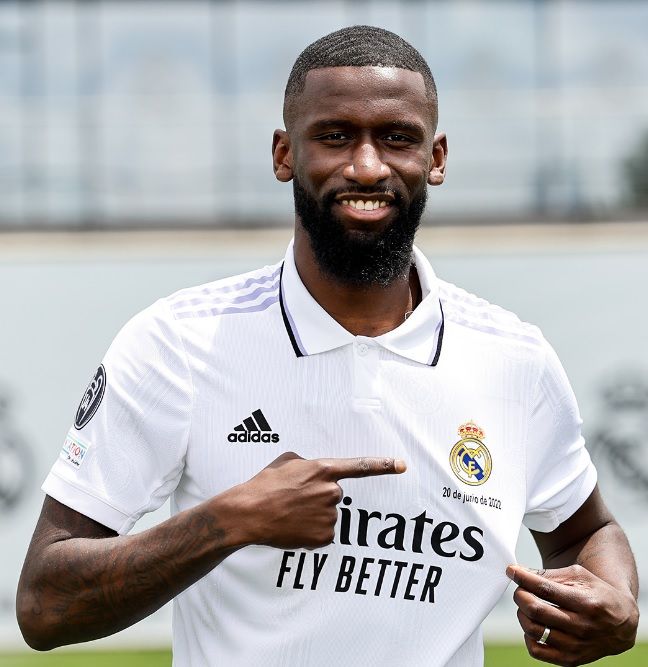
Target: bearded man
(429, 424)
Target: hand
(587, 618)
(292, 503)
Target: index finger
(546, 585)
(363, 466)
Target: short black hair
(357, 46)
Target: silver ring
(545, 636)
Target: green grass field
(496, 656)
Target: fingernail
(400, 465)
(510, 570)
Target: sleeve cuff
(84, 502)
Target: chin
(357, 230)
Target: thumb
(517, 568)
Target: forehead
(365, 94)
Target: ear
(282, 156)
(439, 158)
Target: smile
(361, 205)
(367, 207)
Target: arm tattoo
(83, 581)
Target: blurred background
(135, 160)
(157, 114)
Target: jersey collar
(312, 330)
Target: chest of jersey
(460, 426)
(420, 545)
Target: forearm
(80, 581)
(81, 588)
(606, 553)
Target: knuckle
(545, 589)
(534, 609)
(633, 617)
(582, 631)
(576, 569)
(533, 648)
(324, 466)
(387, 464)
(327, 537)
(596, 606)
(522, 619)
(363, 464)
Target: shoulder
(476, 315)
(253, 291)
(157, 326)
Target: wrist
(239, 516)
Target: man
(354, 354)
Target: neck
(363, 311)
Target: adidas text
(253, 436)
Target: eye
(399, 138)
(333, 137)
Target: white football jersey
(206, 387)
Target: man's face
(360, 149)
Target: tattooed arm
(81, 580)
(587, 596)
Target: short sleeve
(560, 473)
(125, 453)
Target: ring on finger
(545, 637)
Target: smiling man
(353, 353)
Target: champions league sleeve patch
(91, 399)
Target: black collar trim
(284, 315)
(437, 354)
(300, 353)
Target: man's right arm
(82, 581)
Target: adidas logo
(253, 429)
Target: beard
(359, 258)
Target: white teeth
(362, 205)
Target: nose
(366, 166)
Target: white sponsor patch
(74, 451)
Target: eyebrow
(404, 125)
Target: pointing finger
(364, 466)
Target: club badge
(91, 399)
(470, 459)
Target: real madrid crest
(470, 459)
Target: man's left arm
(587, 595)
